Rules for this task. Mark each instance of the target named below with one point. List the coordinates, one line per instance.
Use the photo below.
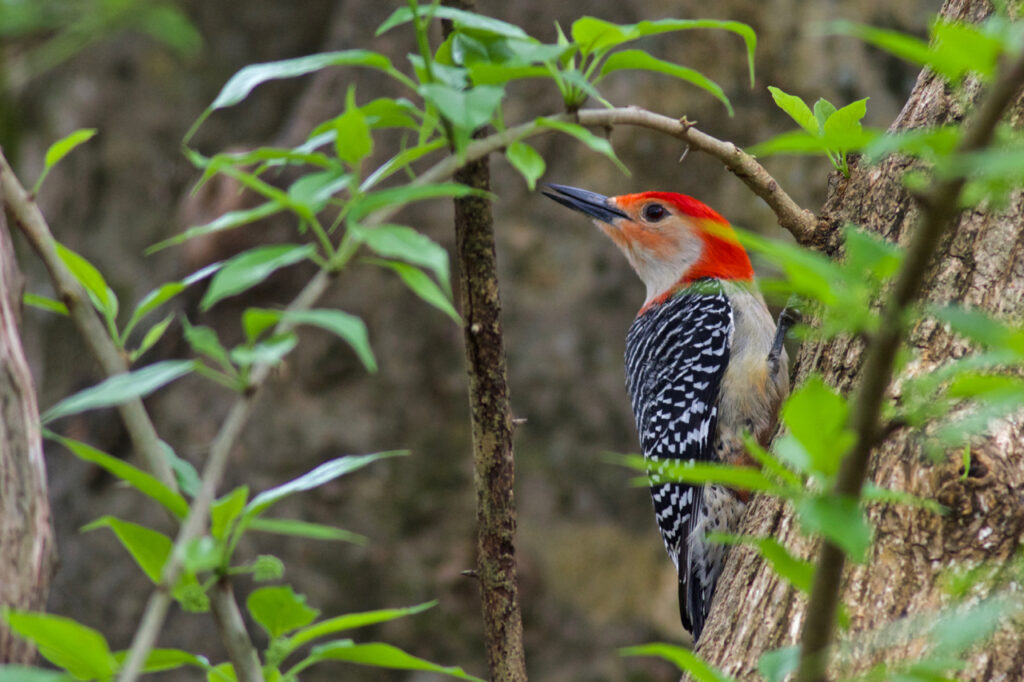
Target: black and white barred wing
(676, 355)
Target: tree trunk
(26, 538)
(980, 264)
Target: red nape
(722, 258)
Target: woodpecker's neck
(718, 256)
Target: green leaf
(527, 161)
(354, 142)
(790, 142)
(798, 572)
(348, 327)
(44, 303)
(305, 529)
(870, 255)
(405, 243)
(89, 277)
(598, 144)
(739, 477)
(80, 650)
(314, 190)
(326, 472)
(225, 672)
(204, 341)
(838, 519)
(597, 35)
(23, 673)
(421, 285)
(981, 327)
(121, 388)
(638, 59)
(823, 109)
(225, 510)
(201, 554)
(227, 221)
(466, 110)
(461, 18)
(778, 664)
(386, 112)
(797, 110)
(279, 610)
(684, 659)
(161, 660)
(896, 43)
(961, 628)
(137, 478)
(59, 149)
(843, 130)
(398, 162)
(243, 82)
(874, 493)
(250, 268)
(381, 656)
(350, 621)
(641, 60)
(184, 472)
(817, 419)
(959, 48)
(270, 351)
(929, 144)
(152, 335)
(255, 321)
(395, 197)
(148, 547)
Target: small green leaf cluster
(288, 621)
(956, 51)
(826, 129)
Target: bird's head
(670, 239)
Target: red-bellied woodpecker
(704, 363)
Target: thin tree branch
(799, 221)
(938, 210)
(26, 215)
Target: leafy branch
(939, 206)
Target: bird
(705, 363)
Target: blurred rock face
(593, 571)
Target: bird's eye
(654, 212)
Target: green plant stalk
(939, 208)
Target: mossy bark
(980, 263)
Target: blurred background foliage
(592, 568)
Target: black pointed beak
(591, 203)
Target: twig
(229, 620)
(937, 212)
(799, 221)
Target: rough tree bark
(979, 263)
(26, 538)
